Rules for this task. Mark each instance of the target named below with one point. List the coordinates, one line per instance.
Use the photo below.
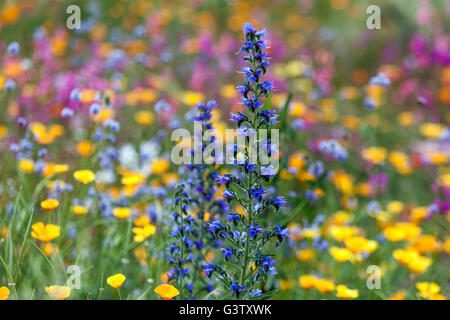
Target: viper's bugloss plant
(249, 239)
(200, 185)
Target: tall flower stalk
(249, 236)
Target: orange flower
(116, 280)
(167, 291)
(84, 176)
(44, 233)
(58, 292)
(49, 204)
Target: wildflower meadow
(224, 150)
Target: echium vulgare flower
(201, 186)
(181, 248)
(247, 236)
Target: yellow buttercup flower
(375, 155)
(85, 148)
(4, 293)
(26, 165)
(431, 130)
(345, 293)
(324, 285)
(143, 233)
(43, 232)
(307, 281)
(398, 296)
(116, 280)
(84, 176)
(58, 292)
(411, 259)
(144, 118)
(141, 221)
(49, 204)
(79, 210)
(340, 254)
(167, 291)
(360, 244)
(305, 255)
(429, 290)
(121, 212)
(160, 166)
(191, 98)
(133, 180)
(401, 231)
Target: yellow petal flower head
(167, 291)
(143, 233)
(116, 280)
(122, 212)
(84, 176)
(79, 210)
(375, 155)
(427, 289)
(305, 255)
(43, 232)
(345, 293)
(307, 281)
(58, 292)
(341, 254)
(49, 204)
(26, 165)
(160, 166)
(4, 293)
(324, 285)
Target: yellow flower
(431, 130)
(49, 204)
(143, 233)
(395, 206)
(324, 285)
(44, 233)
(307, 281)
(345, 293)
(412, 259)
(426, 243)
(360, 244)
(305, 254)
(26, 165)
(167, 291)
(429, 290)
(4, 293)
(340, 254)
(121, 212)
(376, 155)
(132, 179)
(84, 176)
(85, 148)
(191, 98)
(116, 280)
(79, 210)
(58, 292)
(141, 221)
(160, 166)
(144, 118)
(398, 296)
(401, 231)
(420, 264)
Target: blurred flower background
(87, 179)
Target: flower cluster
(247, 235)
